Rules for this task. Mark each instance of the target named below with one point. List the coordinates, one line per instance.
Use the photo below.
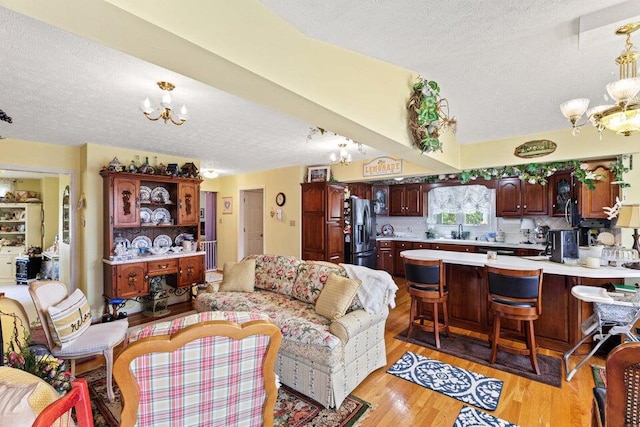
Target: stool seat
(426, 285)
(514, 295)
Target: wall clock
(280, 199)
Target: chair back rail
(623, 385)
(59, 412)
(425, 275)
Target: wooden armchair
(619, 404)
(58, 413)
(214, 373)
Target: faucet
(460, 231)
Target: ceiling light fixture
(165, 112)
(209, 173)
(343, 158)
(623, 117)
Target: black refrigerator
(360, 241)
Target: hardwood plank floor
(399, 402)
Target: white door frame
(241, 218)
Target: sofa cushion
(312, 276)
(336, 296)
(239, 276)
(276, 272)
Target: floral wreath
(428, 115)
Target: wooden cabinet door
(396, 200)
(413, 199)
(560, 192)
(604, 195)
(126, 193)
(335, 203)
(131, 280)
(398, 260)
(535, 199)
(385, 260)
(313, 198)
(191, 271)
(7, 268)
(335, 242)
(508, 197)
(188, 203)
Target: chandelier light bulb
(333, 158)
(183, 110)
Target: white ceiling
(504, 66)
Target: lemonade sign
(382, 166)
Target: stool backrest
(623, 385)
(425, 273)
(516, 286)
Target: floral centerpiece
(41, 364)
(428, 115)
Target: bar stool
(515, 295)
(426, 285)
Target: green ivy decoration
(536, 173)
(428, 115)
(619, 169)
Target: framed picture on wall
(227, 205)
(318, 173)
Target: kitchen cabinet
(516, 198)
(188, 203)
(398, 247)
(125, 201)
(385, 256)
(406, 200)
(467, 302)
(8, 255)
(21, 224)
(360, 189)
(604, 195)
(191, 270)
(127, 280)
(453, 247)
(323, 221)
(561, 192)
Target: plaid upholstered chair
(211, 368)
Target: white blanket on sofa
(376, 285)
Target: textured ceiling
(504, 66)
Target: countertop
(534, 246)
(520, 263)
(150, 257)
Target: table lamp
(526, 226)
(629, 217)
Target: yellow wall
(51, 199)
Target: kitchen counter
(522, 263)
(534, 246)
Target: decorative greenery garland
(428, 115)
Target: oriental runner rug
(466, 386)
(292, 408)
(478, 351)
(471, 417)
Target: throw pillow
(69, 318)
(336, 296)
(239, 276)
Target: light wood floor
(401, 403)
(523, 402)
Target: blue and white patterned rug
(471, 417)
(466, 386)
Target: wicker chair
(619, 403)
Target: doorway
(251, 222)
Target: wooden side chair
(58, 413)
(515, 295)
(213, 373)
(426, 285)
(619, 403)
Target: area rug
(471, 417)
(466, 386)
(599, 376)
(292, 408)
(479, 351)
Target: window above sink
(466, 204)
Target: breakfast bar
(558, 327)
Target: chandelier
(622, 117)
(343, 158)
(209, 173)
(165, 112)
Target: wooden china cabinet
(141, 211)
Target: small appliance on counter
(589, 230)
(563, 244)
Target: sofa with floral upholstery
(321, 358)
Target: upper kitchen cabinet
(515, 198)
(604, 195)
(188, 203)
(360, 189)
(406, 200)
(561, 192)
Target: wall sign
(382, 166)
(537, 148)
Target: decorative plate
(387, 230)
(145, 193)
(160, 195)
(141, 242)
(161, 215)
(162, 240)
(182, 237)
(145, 215)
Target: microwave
(563, 244)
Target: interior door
(253, 222)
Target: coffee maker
(563, 244)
